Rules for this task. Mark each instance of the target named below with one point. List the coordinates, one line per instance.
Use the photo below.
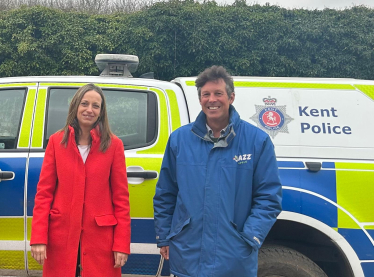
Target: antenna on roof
(116, 65)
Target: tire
(280, 261)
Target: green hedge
(181, 38)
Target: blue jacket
(214, 205)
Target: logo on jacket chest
(242, 159)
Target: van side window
(132, 115)
(11, 106)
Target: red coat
(82, 203)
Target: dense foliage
(181, 38)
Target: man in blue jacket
(219, 192)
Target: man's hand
(39, 252)
(164, 251)
(120, 259)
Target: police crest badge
(271, 118)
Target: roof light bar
(117, 65)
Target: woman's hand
(120, 259)
(39, 252)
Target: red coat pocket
(106, 220)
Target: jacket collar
(199, 126)
(95, 135)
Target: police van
(323, 134)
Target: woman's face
(89, 109)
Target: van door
(139, 116)
(16, 112)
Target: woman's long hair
(102, 121)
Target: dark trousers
(78, 270)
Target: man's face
(215, 102)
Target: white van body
(324, 118)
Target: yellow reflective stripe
(32, 264)
(122, 86)
(175, 117)
(37, 134)
(163, 136)
(97, 84)
(285, 85)
(18, 85)
(12, 228)
(12, 259)
(292, 85)
(63, 84)
(24, 138)
(362, 166)
(28, 222)
(141, 196)
(355, 191)
(369, 227)
(345, 221)
(368, 90)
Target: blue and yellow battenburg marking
(339, 195)
(12, 220)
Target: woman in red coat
(82, 200)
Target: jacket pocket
(54, 212)
(106, 220)
(181, 218)
(178, 228)
(245, 242)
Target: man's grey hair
(215, 73)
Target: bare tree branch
(90, 6)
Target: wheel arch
(308, 236)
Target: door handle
(137, 175)
(143, 174)
(6, 175)
(313, 166)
